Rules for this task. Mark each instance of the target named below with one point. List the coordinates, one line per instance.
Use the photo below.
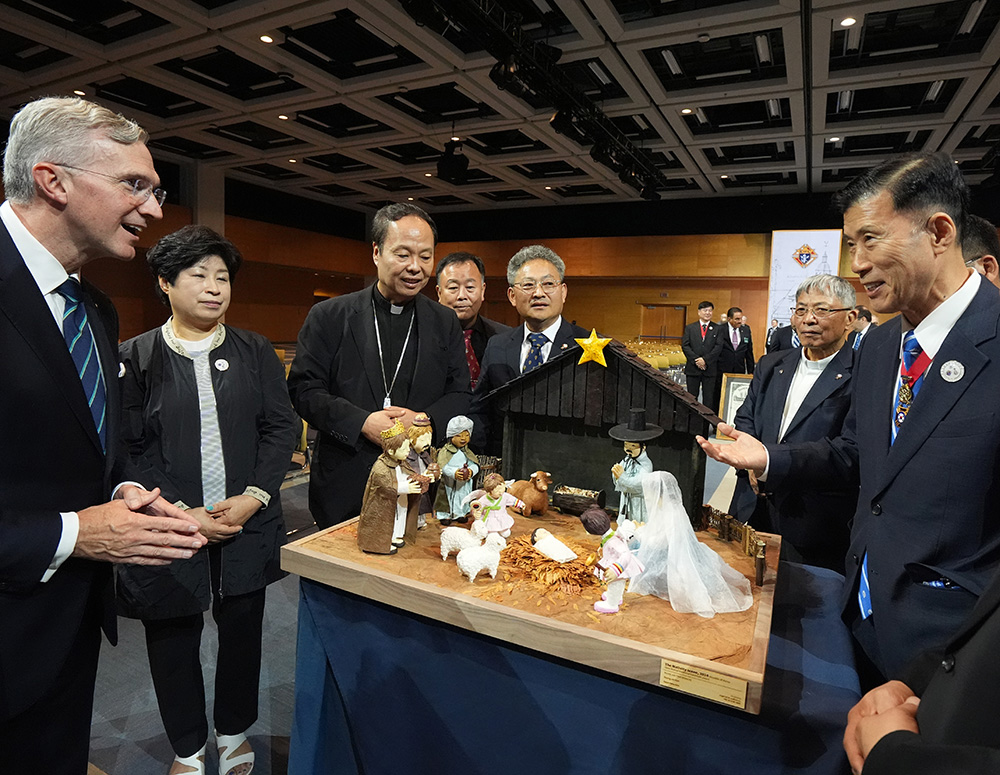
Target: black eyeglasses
(141, 189)
(820, 312)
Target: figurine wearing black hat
(629, 472)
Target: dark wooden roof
(603, 396)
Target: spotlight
(453, 164)
(563, 122)
(505, 75)
(602, 154)
(649, 193)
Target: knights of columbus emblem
(805, 255)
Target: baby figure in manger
(389, 508)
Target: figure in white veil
(678, 567)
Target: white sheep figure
(455, 539)
(485, 557)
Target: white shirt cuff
(767, 467)
(67, 542)
(114, 492)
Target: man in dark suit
(770, 334)
(701, 345)
(925, 538)
(939, 715)
(798, 396)
(537, 289)
(784, 338)
(862, 325)
(80, 185)
(981, 248)
(371, 357)
(736, 355)
(461, 283)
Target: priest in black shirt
(374, 356)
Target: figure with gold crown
(389, 509)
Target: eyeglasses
(141, 189)
(528, 286)
(819, 312)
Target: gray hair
(531, 253)
(830, 285)
(58, 129)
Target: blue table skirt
(381, 690)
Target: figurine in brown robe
(389, 508)
(422, 464)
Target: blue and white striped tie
(83, 349)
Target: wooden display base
(719, 659)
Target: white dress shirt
(550, 334)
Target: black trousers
(707, 386)
(52, 737)
(174, 647)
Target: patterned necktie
(908, 389)
(795, 339)
(534, 359)
(736, 338)
(470, 358)
(857, 341)
(80, 341)
(704, 330)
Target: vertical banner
(796, 256)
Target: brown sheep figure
(534, 492)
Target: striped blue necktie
(534, 359)
(911, 351)
(80, 340)
(795, 339)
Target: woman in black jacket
(207, 415)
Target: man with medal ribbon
(371, 357)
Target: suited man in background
(770, 334)
(461, 284)
(784, 338)
(537, 289)
(701, 345)
(80, 185)
(369, 358)
(925, 539)
(803, 395)
(981, 248)
(862, 325)
(736, 355)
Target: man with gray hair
(537, 289)
(80, 185)
(803, 395)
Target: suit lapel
(512, 349)
(362, 326)
(937, 396)
(777, 392)
(565, 339)
(834, 377)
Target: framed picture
(734, 392)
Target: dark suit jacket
(52, 462)
(695, 347)
(805, 516)
(335, 383)
(500, 365)
(738, 360)
(854, 335)
(958, 685)
(780, 339)
(483, 330)
(929, 505)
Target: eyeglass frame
(816, 311)
(159, 194)
(532, 285)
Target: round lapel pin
(952, 371)
(121, 369)
(222, 364)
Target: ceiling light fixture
(292, 161)
(686, 111)
(849, 21)
(724, 177)
(453, 165)
(428, 174)
(266, 39)
(834, 140)
(283, 117)
(79, 92)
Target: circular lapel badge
(222, 364)
(952, 371)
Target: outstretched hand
(744, 452)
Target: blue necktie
(911, 351)
(83, 349)
(795, 339)
(534, 359)
(857, 342)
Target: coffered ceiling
(352, 102)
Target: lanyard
(387, 401)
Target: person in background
(770, 334)
(862, 325)
(981, 248)
(80, 185)
(701, 344)
(206, 412)
(461, 285)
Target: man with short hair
(701, 345)
(461, 284)
(862, 325)
(371, 357)
(736, 355)
(537, 289)
(925, 538)
(770, 334)
(803, 395)
(80, 185)
(981, 248)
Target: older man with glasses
(803, 395)
(536, 276)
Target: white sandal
(189, 765)
(236, 757)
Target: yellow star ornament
(593, 348)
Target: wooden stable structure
(557, 417)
